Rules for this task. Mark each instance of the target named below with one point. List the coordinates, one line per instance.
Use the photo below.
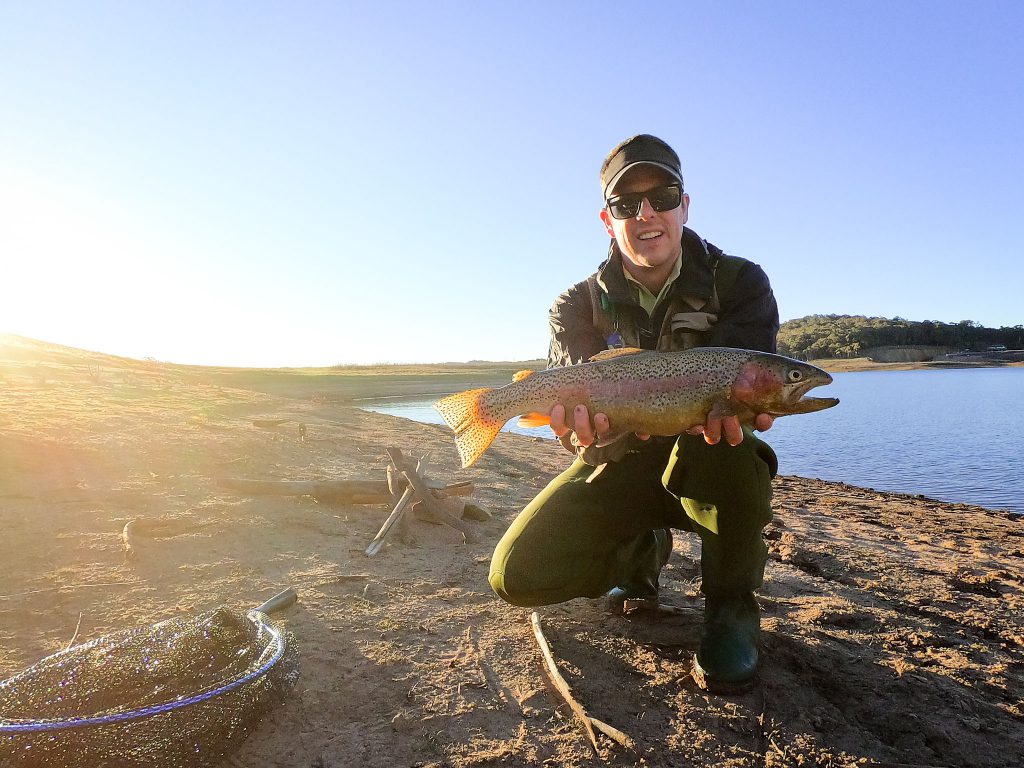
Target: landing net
(184, 692)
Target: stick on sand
(559, 682)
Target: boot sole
(711, 685)
(620, 604)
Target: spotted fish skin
(657, 393)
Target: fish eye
(795, 375)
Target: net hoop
(275, 648)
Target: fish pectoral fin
(721, 409)
(608, 354)
(609, 437)
(534, 419)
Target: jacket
(582, 318)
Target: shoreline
(833, 365)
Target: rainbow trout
(658, 393)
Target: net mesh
(184, 692)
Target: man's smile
(650, 235)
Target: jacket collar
(696, 277)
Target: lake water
(946, 434)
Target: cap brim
(618, 176)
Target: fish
(655, 393)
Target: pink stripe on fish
(638, 387)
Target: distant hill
(49, 364)
(816, 337)
(15, 348)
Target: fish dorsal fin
(520, 375)
(608, 354)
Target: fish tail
(474, 428)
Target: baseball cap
(642, 149)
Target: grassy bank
(51, 364)
(360, 382)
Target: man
(602, 526)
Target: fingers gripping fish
(657, 393)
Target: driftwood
(269, 423)
(405, 485)
(613, 733)
(589, 723)
(135, 529)
(408, 485)
(395, 485)
(396, 513)
(392, 475)
(465, 488)
(435, 511)
(339, 491)
(431, 504)
(350, 491)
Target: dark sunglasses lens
(665, 198)
(624, 206)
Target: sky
(312, 183)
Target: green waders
(590, 530)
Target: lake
(946, 434)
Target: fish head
(778, 385)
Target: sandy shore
(867, 364)
(893, 625)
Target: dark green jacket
(583, 318)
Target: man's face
(649, 241)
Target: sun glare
(78, 271)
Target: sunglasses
(661, 199)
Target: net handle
(278, 602)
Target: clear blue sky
(275, 184)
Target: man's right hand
(587, 432)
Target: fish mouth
(809, 405)
(797, 402)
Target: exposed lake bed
(893, 626)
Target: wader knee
(726, 492)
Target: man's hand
(587, 432)
(716, 426)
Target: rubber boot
(726, 661)
(640, 590)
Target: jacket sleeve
(749, 316)
(574, 339)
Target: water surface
(951, 434)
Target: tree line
(844, 336)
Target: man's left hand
(716, 426)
